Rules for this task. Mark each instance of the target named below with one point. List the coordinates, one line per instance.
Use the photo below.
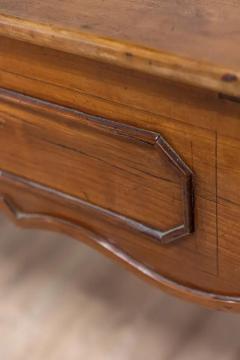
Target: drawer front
(130, 186)
(130, 173)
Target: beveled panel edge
(124, 54)
(129, 132)
(108, 215)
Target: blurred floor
(62, 301)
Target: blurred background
(60, 300)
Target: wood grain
(209, 31)
(50, 283)
(228, 205)
(89, 104)
(65, 215)
(113, 92)
(30, 121)
(117, 167)
(142, 35)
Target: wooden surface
(56, 294)
(193, 42)
(202, 30)
(112, 92)
(129, 171)
(192, 126)
(57, 84)
(199, 251)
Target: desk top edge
(125, 54)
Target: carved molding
(25, 219)
(133, 134)
(38, 220)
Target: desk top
(192, 41)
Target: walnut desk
(120, 126)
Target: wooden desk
(119, 125)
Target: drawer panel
(126, 183)
(128, 171)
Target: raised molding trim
(131, 133)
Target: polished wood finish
(88, 122)
(52, 210)
(131, 174)
(187, 42)
(209, 31)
